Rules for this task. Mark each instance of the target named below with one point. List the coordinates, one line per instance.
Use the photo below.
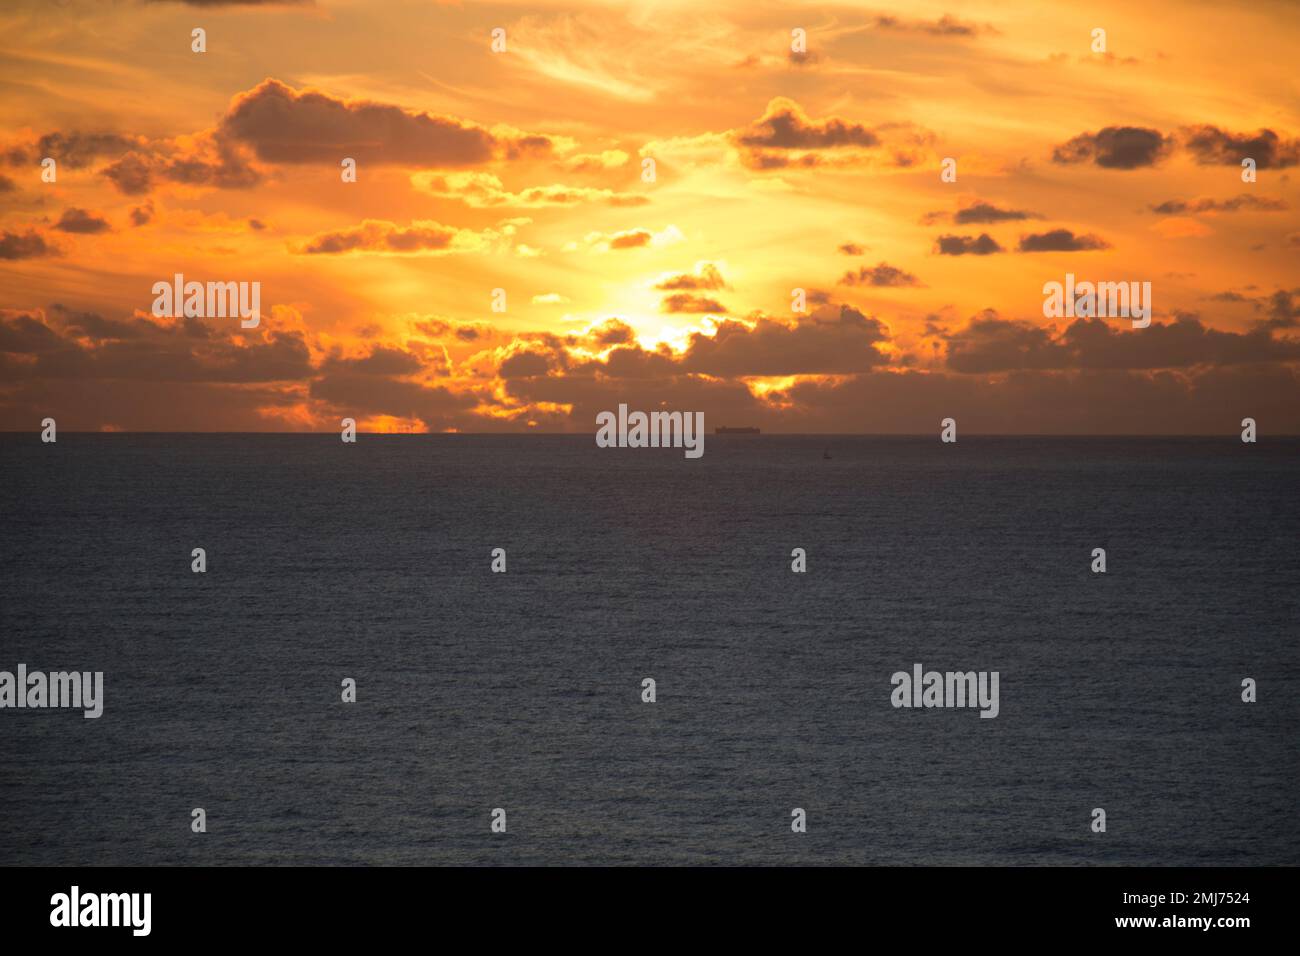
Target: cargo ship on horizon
(736, 430)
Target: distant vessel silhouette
(742, 430)
(826, 454)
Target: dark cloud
(981, 245)
(73, 150)
(1116, 147)
(1178, 207)
(365, 395)
(882, 274)
(1213, 146)
(785, 126)
(211, 162)
(829, 341)
(376, 235)
(82, 346)
(983, 212)
(26, 334)
(613, 332)
(525, 364)
(382, 360)
(240, 3)
(945, 26)
(142, 215)
(807, 58)
(706, 277)
(992, 344)
(81, 222)
(27, 245)
(284, 125)
(685, 302)
(1061, 240)
(1282, 309)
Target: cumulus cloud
(1061, 240)
(881, 274)
(25, 245)
(1116, 147)
(685, 302)
(786, 136)
(705, 277)
(285, 125)
(984, 212)
(1213, 146)
(82, 222)
(421, 237)
(981, 245)
(989, 344)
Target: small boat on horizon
(736, 430)
(826, 454)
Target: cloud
(141, 215)
(1061, 240)
(284, 125)
(422, 236)
(595, 162)
(786, 136)
(992, 344)
(983, 212)
(784, 125)
(829, 341)
(1282, 309)
(705, 277)
(612, 332)
(638, 238)
(982, 245)
(1175, 207)
(81, 222)
(1213, 146)
(205, 160)
(381, 360)
(240, 3)
(882, 274)
(685, 302)
(78, 347)
(945, 26)
(549, 298)
(27, 245)
(74, 150)
(484, 190)
(1116, 147)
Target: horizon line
(740, 437)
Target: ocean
(523, 690)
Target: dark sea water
(523, 690)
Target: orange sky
(522, 171)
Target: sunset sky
(522, 171)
